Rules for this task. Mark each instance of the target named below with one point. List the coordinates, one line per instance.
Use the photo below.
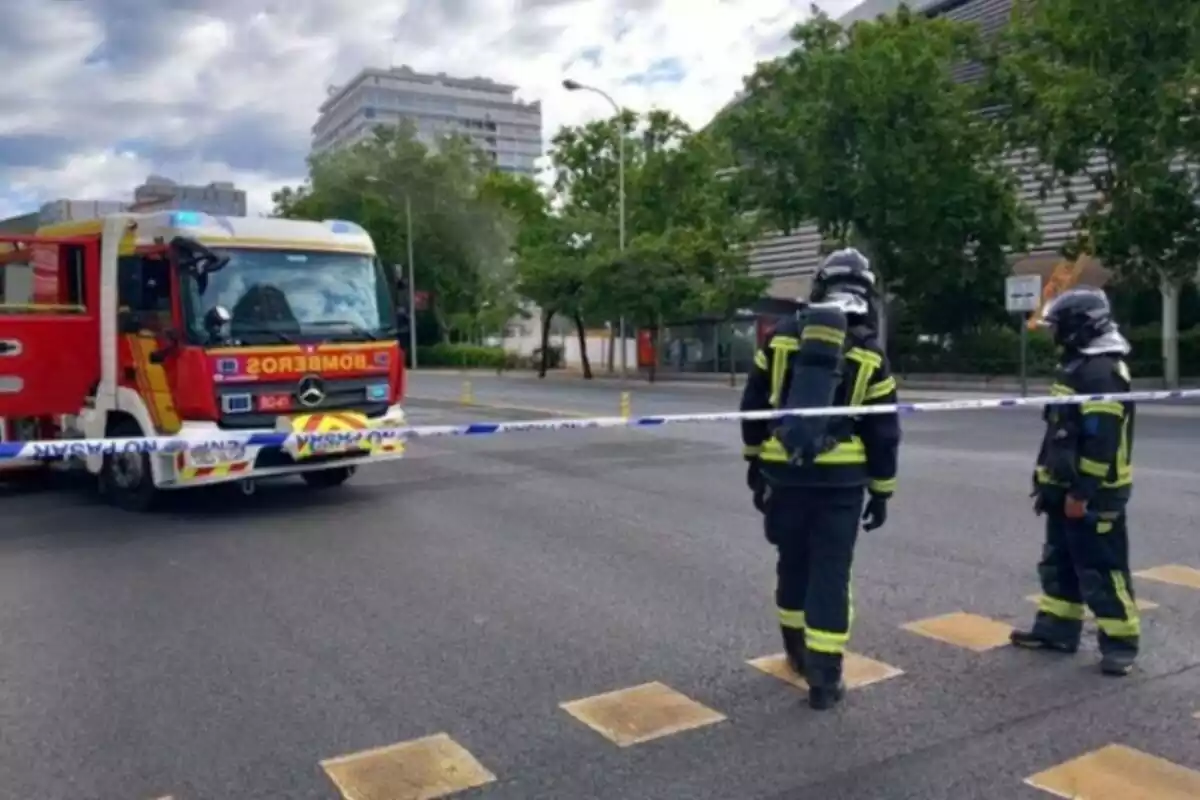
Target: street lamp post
(575, 86)
(412, 279)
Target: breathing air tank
(814, 377)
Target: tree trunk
(583, 354)
(1170, 333)
(547, 317)
(612, 346)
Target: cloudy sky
(97, 94)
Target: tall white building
(488, 112)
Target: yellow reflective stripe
(1103, 407)
(1061, 389)
(1104, 527)
(1062, 609)
(782, 347)
(862, 377)
(826, 641)
(752, 450)
(823, 333)
(791, 619)
(850, 452)
(881, 390)
(883, 486)
(1043, 476)
(1132, 624)
(1119, 628)
(863, 356)
(1095, 469)
(1124, 465)
(760, 359)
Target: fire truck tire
(126, 480)
(327, 478)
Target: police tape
(338, 440)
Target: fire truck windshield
(293, 295)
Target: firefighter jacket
(1088, 447)
(866, 446)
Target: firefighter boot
(1117, 654)
(824, 676)
(1049, 633)
(793, 648)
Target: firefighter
(810, 475)
(1082, 484)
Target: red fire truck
(182, 324)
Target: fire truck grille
(341, 394)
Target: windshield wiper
(358, 330)
(279, 335)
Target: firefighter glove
(761, 495)
(876, 512)
(1075, 508)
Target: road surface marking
(1143, 605)
(961, 629)
(859, 671)
(1176, 574)
(419, 769)
(641, 713)
(1117, 772)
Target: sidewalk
(914, 388)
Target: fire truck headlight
(202, 458)
(233, 452)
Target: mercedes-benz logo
(311, 391)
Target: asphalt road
(227, 647)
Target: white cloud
(99, 94)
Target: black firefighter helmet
(1078, 317)
(845, 279)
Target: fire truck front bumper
(324, 440)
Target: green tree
(1107, 92)
(686, 244)
(460, 237)
(551, 257)
(865, 132)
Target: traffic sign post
(1023, 295)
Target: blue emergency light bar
(186, 219)
(344, 226)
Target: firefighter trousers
(1085, 562)
(815, 530)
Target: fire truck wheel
(125, 479)
(327, 478)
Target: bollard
(466, 398)
(625, 405)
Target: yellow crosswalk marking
(1117, 772)
(858, 671)
(419, 769)
(1176, 574)
(969, 631)
(641, 713)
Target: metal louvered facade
(789, 258)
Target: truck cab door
(149, 332)
(49, 325)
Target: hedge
(997, 351)
(473, 356)
(465, 355)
